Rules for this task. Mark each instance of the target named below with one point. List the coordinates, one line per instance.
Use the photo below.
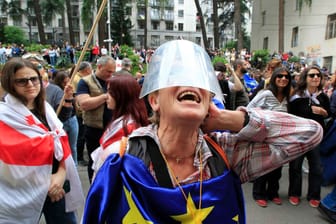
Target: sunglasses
(313, 75)
(24, 81)
(39, 66)
(280, 76)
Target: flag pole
(100, 12)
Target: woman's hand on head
(211, 121)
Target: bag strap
(159, 165)
(218, 150)
(122, 147)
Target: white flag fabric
(27, 148)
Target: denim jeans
(314, 176)
(54, 212)
(267, 186)
(329, 201)
(81, 138)
(71, 128)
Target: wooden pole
(100, 12)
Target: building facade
(309, 33)
(167, 20)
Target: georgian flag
(26, 155)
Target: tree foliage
(260, 58)
(121, 24)
(13, 34)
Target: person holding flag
(37, 172)
(170, 171)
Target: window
(331, 27)
(265, 43)
(75, 23)
(263, 18)
(327, 62)
(17, 21)
(60, 23)
(141, 24)
(180, 13)
(181, 2)
(180, 27)
(198, 40)
(155, 14)
(169, 26)
(155, 25)
(129, 11)
(198, 27)
(75, 11)
(155, 40)
(169, 38)
(295, 37)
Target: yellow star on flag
(193, 215)
(133, 215)
(236, 218)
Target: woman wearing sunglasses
(275, 98)
(37, 172)
(308, 101)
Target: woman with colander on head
(171, 172)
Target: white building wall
(311, 23)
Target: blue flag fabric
(125, 192)
(250, 83)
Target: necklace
(179, 185)
(178, 159)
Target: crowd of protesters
(94, 109)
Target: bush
(14, 34)
(219, 59)
(260, 58)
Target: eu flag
(124, 191)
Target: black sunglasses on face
(312, 75)
(280, 76)
(24, 81)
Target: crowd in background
(279, 86)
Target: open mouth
(189, 96)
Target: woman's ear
(154, 101)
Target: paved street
(273, 214)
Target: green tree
(14, 34)
(51, 8)
(120, 24)
(227, 18)
(90, 8)
(202, 23)
(38, 16)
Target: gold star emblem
(133, 215)
(193, 215)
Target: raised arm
(266, 141)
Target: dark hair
(302, 83)
(272, 84)
(220, 66)
(8, 77)
(59, 78)
(126, 90)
